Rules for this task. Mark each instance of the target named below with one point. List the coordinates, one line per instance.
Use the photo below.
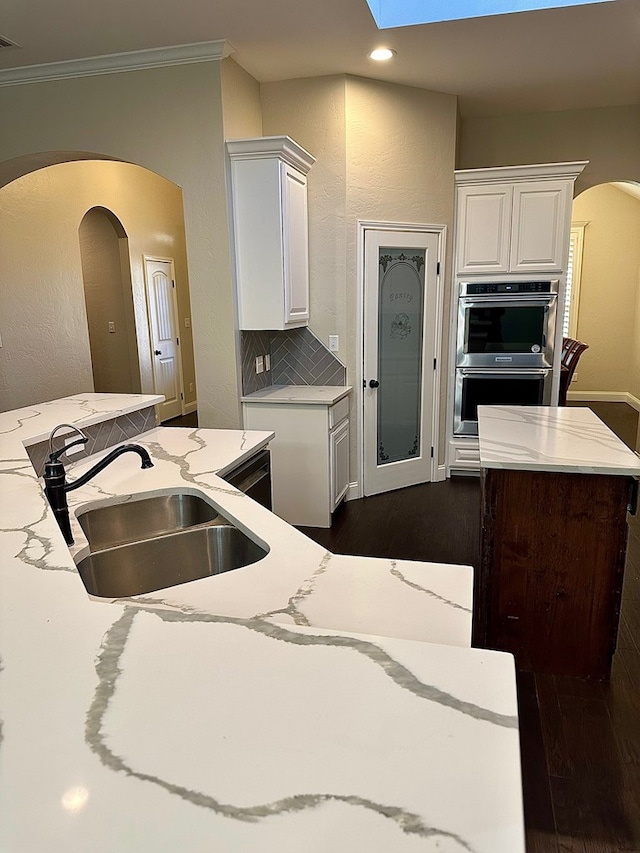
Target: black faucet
(55, 480)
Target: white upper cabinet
(270, 227)
(484, 227)
(515, 219)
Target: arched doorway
(47, 350)
(608, 310)
(106, 274)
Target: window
(574, 274)
(404, 13)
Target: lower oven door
(496, 388)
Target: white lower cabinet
(309, 457)
(464, 455)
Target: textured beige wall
(609, 294)
(384, 152)
(608, 137)
(43, 322)
(168, 120)
(241, 106)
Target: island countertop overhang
(551, 438)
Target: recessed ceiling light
(381, 54)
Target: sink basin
(177, 558)
(144, 518)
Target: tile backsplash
(297, 358)
(100, 436)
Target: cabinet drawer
(338, 412)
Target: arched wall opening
(608, 317)
(106, 274)
(43, 314)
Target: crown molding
(267, 147)
(115, 63)
(504, 174)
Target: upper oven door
(506, 331)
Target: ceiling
(553, 59)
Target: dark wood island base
(550, 582)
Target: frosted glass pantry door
(400, 299)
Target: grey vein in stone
(398, 574)
(108, 671)
(304, 590)
(181, 461)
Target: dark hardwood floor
(580, 740)
(190, 420)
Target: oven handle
(503, 371)
(504, 301)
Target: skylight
(404, 13)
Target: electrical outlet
(112, 327)
(267, 362)
(334, 343)
(187, 322)
(259, 364)
(191, 387)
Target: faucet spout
(107, 460)
(56, 485)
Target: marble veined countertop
(546, 438)
(325, 395)
(296, 704)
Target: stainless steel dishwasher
(253, 477)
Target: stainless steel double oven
(505, 347)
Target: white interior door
(400, 299)
(163, 327)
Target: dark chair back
(571, 352)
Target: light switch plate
(267, 362)
(334, 343)
(259, 364)
(112, 327)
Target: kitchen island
(556, 484)
(307, 702)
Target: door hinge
(178, 341)
(435, 362)
(181, 396)
(432, 452)
(438, 268)
(173, 284)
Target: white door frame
(176, 319)
(438, 472)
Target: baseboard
(353, 492)
(441, 474)
(605, 397)
(190, 407)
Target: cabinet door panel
(295, 229)
(483, 229)
(339, 462)
(539, 213)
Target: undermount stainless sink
(144, 518)
(166, 561)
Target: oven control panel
(501, 288)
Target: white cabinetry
(270, 231)
(310, 451)
(517, 222)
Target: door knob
(373, 383)
(157, 352)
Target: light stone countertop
(324, 395)
(546, 438)
(282, 706)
